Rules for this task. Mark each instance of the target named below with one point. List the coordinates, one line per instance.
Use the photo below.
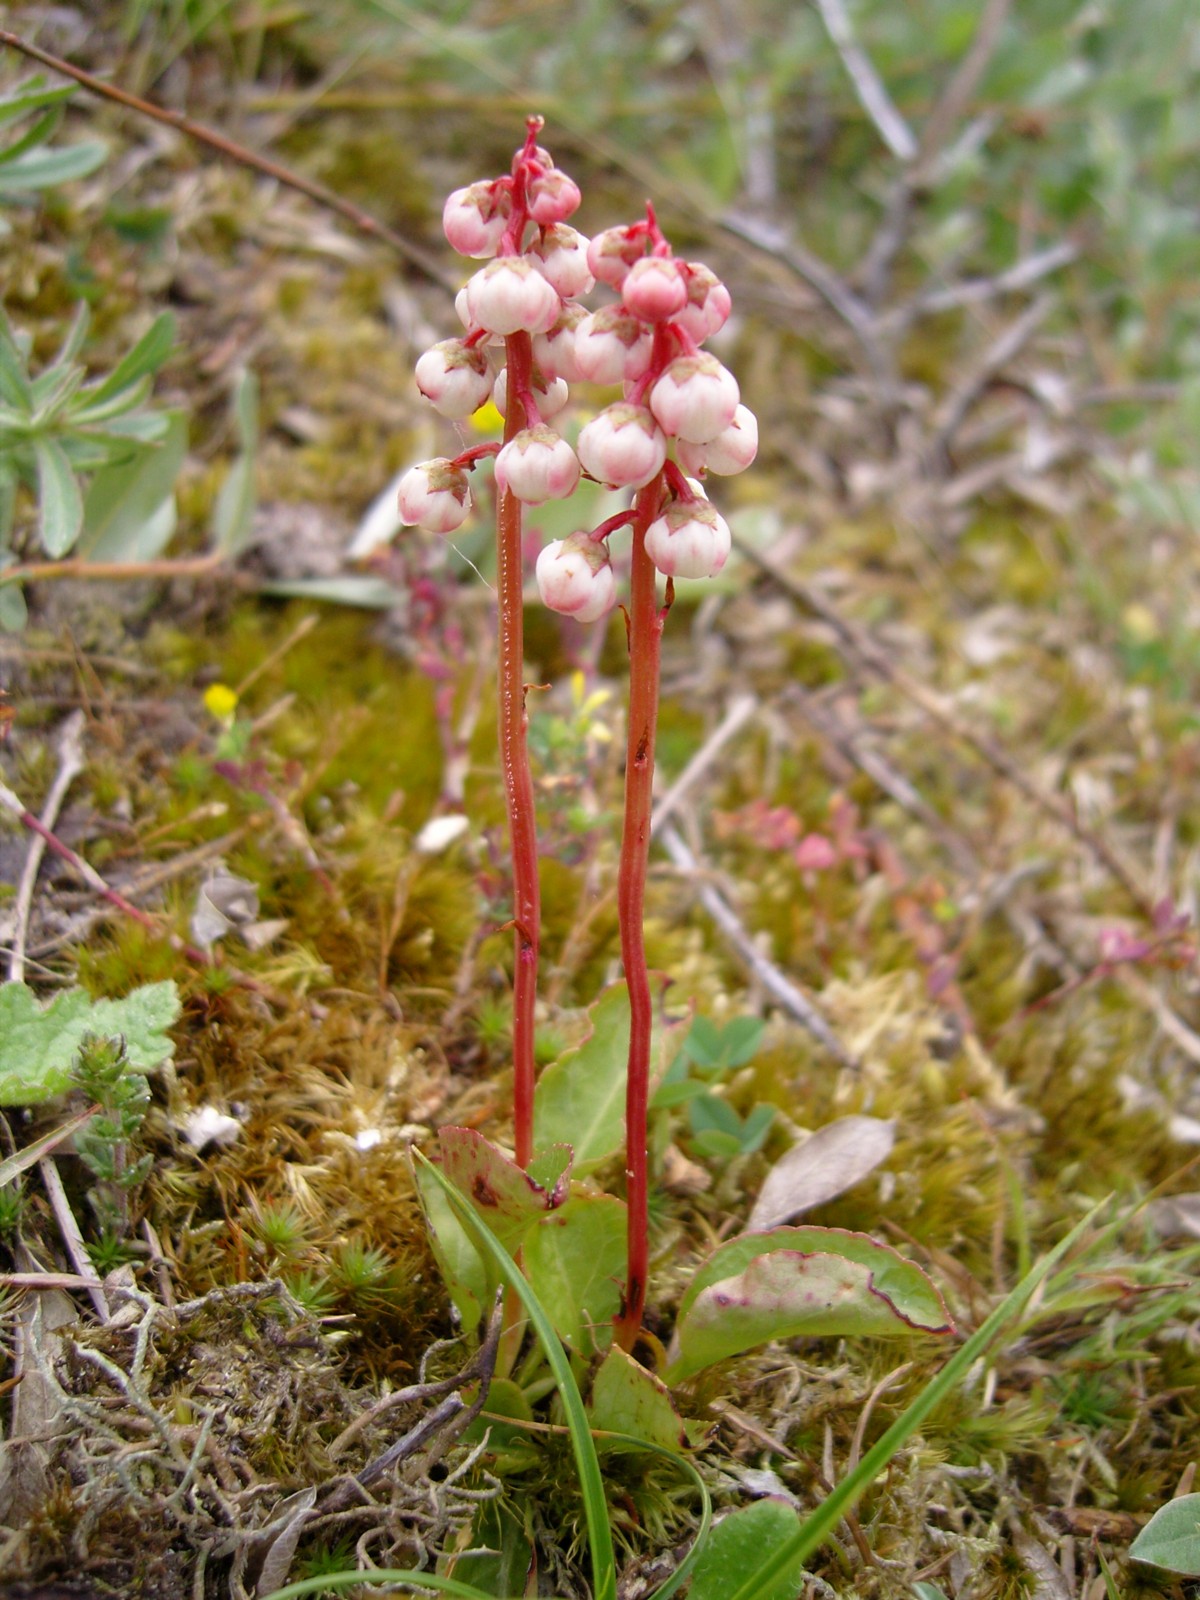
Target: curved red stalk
(645, 642)
(514, 763)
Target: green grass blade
(346, 1580)
(817, 1528)
(1110, 1586)
(595, 1505)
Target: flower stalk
(514, 764)
(646, 620)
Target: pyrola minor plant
(679, 417)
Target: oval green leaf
(1171, 1539)
(629, 1400)
(800, 1282)
(738, 1544)
(575, 1263)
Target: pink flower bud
(654, 289)
(554, 351)
(611, 346)
(734, 448)
(560, 255)
(623, 447)
(553, 197)
(708, 302)
(612, 253)
(815, 853)
(695, 398)
(550, 396)
(690, 540)
(474, 219)
(510, 296)
(575, 576)
(435, 495)
(537, 464)
(454, 377)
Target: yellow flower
(487, 419)
(220, 701)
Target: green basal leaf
(628, 1399)
(1171, 1539)
(464, 1270)
(580, 1098)
(38, 1044)
(603, 1557)
(575, 1262)
(551, 1170)
(796, 1282)
(893, 1273)
(737, 1543)
(501, 1556)
(60, 502)
(820, 1524)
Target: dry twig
(70, 765)
(776, 983)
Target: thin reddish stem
(514, 762)
(645, 643)
(90, 876)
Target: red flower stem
(514, 762)
(645, 643)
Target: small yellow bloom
(220, 701)
(487, 419)
(1140, 623)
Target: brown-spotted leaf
(508, 1199)
(798, 1282)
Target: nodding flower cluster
(680, 415)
